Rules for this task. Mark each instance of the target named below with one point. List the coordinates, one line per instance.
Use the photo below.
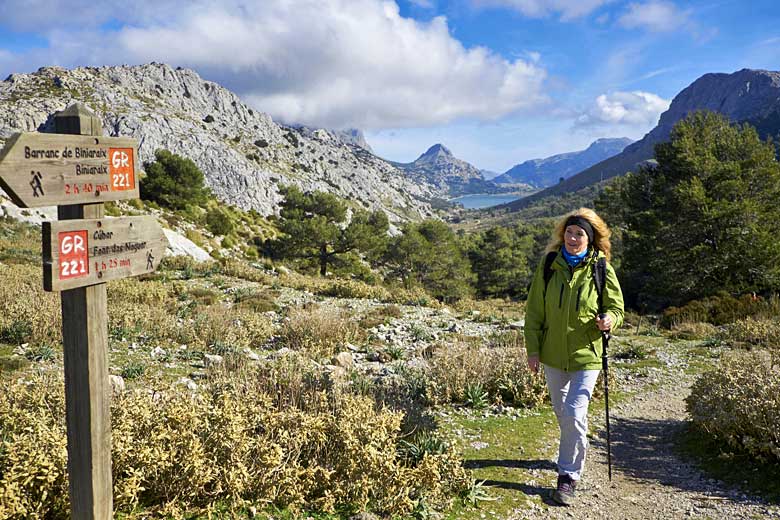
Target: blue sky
(496, 81)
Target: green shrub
(474, 396)
(421, 444)
(204, 296)
(632, 350)
(42, 352)
(133, 370)
(739, 405)
(17, 332)
(258, 301)
(196, 237)
(341, 288)
(173, 181)
(720, 310)
(219, 222)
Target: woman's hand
(533, 364)
(605, 322)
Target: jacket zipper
(579, 292)
(560, 298)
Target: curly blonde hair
(601, 232)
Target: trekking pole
(605, 366)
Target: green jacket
(560, 326)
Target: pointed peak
(438, 149)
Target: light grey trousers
(570, 393)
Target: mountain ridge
(243, 153)
(451, 176)
(541, 173)
(745, 96)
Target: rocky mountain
(746, 96)
(450, 175)
(489, 174)
(351, 136)
(243, 153)
(354, 136)
(541, 173)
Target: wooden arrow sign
(77, 253)
(59, 169)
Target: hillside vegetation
(252, 385)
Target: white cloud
(425, 4)
(654, 15)
(634, 109)
(568, 9)
(320, 62)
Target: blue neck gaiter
(573, 260)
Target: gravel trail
(649, 479)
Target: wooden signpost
(77, 253)
(82, 251)
(51, 170)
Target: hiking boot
(564, 494)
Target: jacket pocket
(595, 342)
(587, 302)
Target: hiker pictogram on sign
(36, 184)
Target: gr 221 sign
(78, 253)
(59, 169)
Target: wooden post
(85, 346)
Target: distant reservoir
(480, 200)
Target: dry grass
(176, 455)
(28, 314)
(499, 368)
(739, 404)
(693, 330)
(319, 331)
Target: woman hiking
(563, 331)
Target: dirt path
(649, 480)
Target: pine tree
(428, 254)
(499, 260)
(173, 181)
(315, 227)
(704, 219)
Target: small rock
(158, 352)
(344, 360)
(117, 384)
(250, 354)
(189, 383)
(280, 353)
(213, 359)
(336, 374)
(364, 516)
(377, 357)
(418, 364)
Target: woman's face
(575, 240)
